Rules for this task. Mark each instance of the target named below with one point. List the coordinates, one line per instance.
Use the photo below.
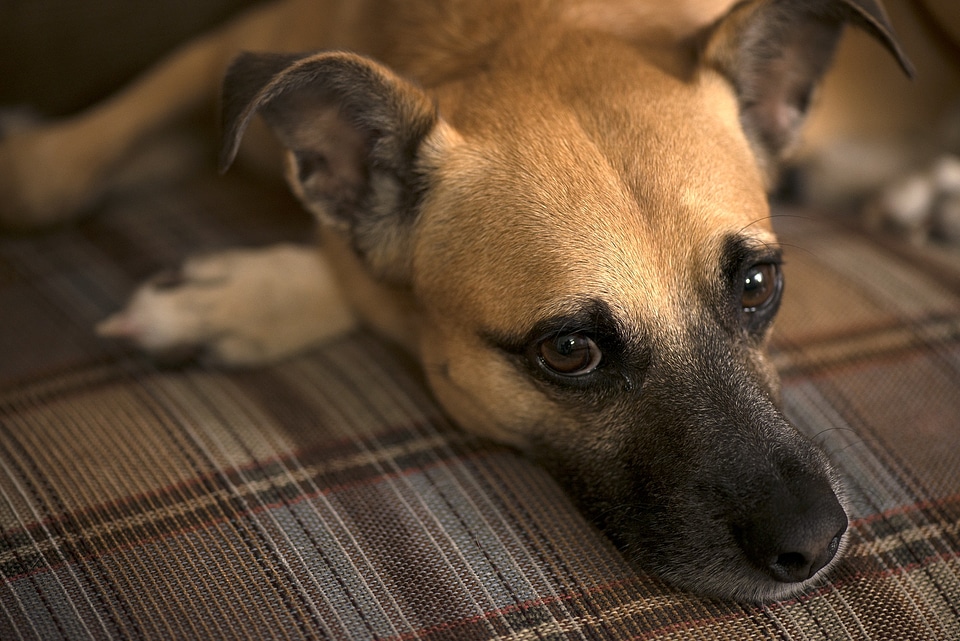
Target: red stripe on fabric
(927, 561)
(920, 349)
(516, 607)
(907, 509)
(292, 456)
(686, 624)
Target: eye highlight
(761, 287)
(569, 354)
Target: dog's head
(583, 224)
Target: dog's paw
(923, 206)
(239, 307)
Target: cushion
(327, 496)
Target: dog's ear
(775, 52)
(353, 131)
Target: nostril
(795, 567)
(794, 542)
(835, 544)
(791, 567)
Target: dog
(558, 207)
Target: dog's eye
(569, 354)
(761, 287)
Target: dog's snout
(795, 535)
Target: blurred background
(58, 56)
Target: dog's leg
(237, 307)
(51, 173)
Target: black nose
(794, 534)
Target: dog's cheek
(481, 389)
(768, 373)
(603, 458)
(765, 372)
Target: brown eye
(570, 354)
(761, 286)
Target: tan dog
(559, 207)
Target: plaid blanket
(327, 497)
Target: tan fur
(637, 223)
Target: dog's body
(558, 207)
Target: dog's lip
(753, 586)
(771, 589)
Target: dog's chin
(746, 586)
(730, 576)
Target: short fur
(558, 207)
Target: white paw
(237, 307)
(922, 206)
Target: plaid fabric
(327, 497)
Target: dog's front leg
(237, 307)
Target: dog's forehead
(627, 192)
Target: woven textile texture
(327, 497)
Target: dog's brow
(589, 316)
(740, 250)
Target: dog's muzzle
(699, 477)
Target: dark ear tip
(908, 68)
(905, 63)
(889, 41)
(247, 75)
(873, 17)
(230, 145)
(226, 159)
